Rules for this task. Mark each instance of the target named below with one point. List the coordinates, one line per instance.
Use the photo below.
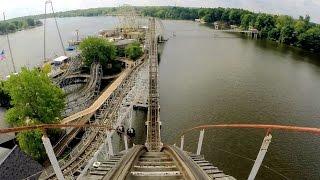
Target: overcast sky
(15, 8)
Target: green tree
(264, 21)
(300, 26)
(225, 15)
(133, 50)
(30, 142)
(274, 34)
(12, 27)
(218, 13)
(246, 20)
(33, 96)
(235, 17)
(284, 20)
(35, 100)
(97, 49)
(202, 12)
(310, 40)
(287, 34)
(18, 24)
(161, 13)
(30, 22)
(207, 18)
(3, 27)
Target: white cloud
(14, 8)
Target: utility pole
(44, 31)
(55, 20)
(8, 40)
(77, 33)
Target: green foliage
(97, 49)
(18, 24)
(133, 50)
(235, 16)
(33, 96)
(274, 34)
(264, 21)
(202, 12)
(301, 26)
(171, 12)
(207, 18)
(14, 116)
(310, 39)
(247, 20)
(225, 16)
(284, 20)
(47, 68)
(30, 142)
(35, 100)
(30, 22)
(287, 34)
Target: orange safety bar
(268, 127)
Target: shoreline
(19, 30)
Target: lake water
(211, 78)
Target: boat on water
(71, 48)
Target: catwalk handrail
(268, 127)
(265, 143)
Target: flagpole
(6, 31)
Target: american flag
(2, 56)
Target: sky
(16, 8)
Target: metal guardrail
(265, 143)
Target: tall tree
(284, 20)
(35, 100)
(97, 49)
(274, 34)
(235, 16)
(246, 20)
(287, 34)
(310, 39)
(34, 96)
(264, 21)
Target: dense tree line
(281, 28)
(18, 24)
(80, 12)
